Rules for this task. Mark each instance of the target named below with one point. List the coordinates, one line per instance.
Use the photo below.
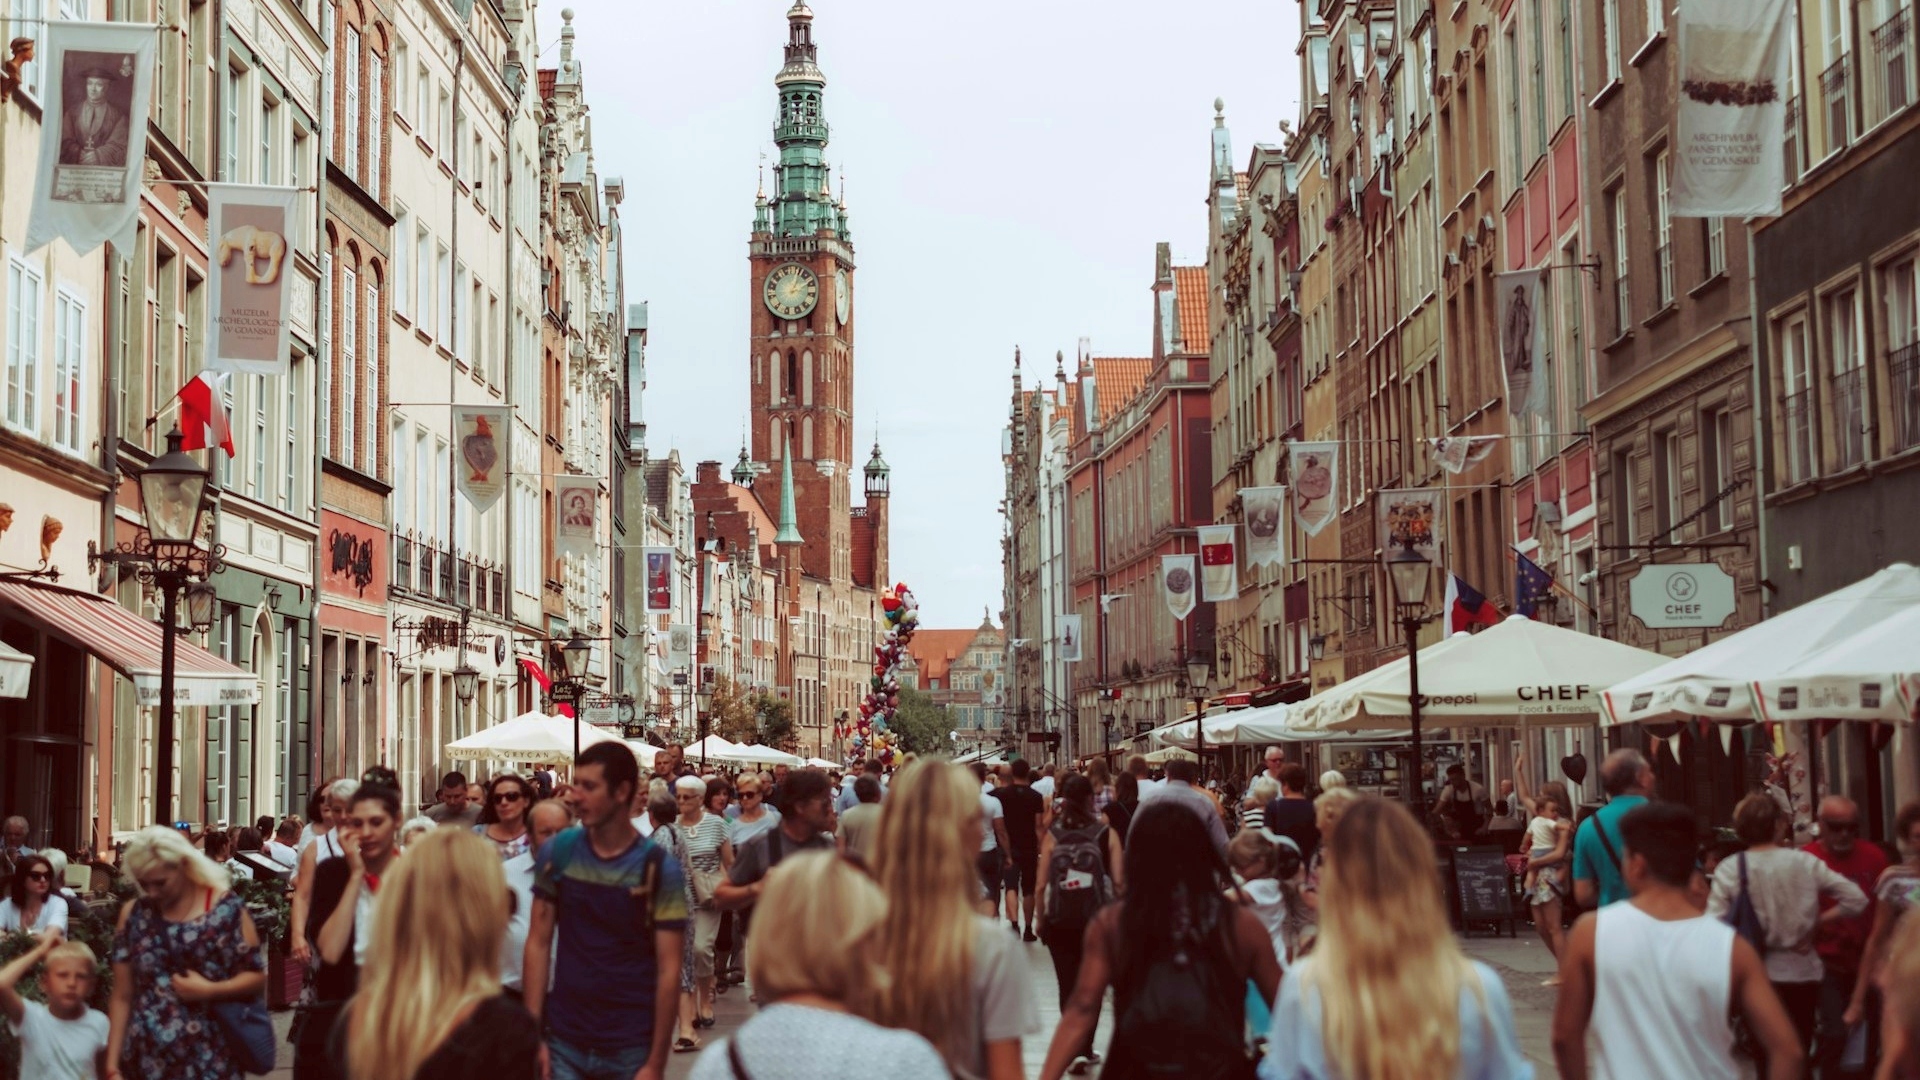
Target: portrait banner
(1455, 453)
(1264, 508)
(1410, 517)
(1522, 341)
(1729, 131)
(659, 579)
(1072, 645)
(1313, 472)
(1219, 562)
(577, 531)
(485, 436)
(679, 646)
(247, 231)
(96, 85)
(1176, 582)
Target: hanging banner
(1071, 647)
(1264, 509)
(1523, 335)
(659, 579)
(1729, 130)
(1455, 454)
(1219, 562)
(485, 443)
(96, 81)
(247, 230)
(1176, 581)
(1313, 473)
(579, 500)
(1410, 517)
(679, 646)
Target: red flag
(539, 675)
(203, 416)
(1466, 607)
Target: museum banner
(96, 85)
(1729, 131)
(247, 232)
(659, 579)
(486, 436)
(1522, 342)
(577, 532)
(1263, 508)
(1410, 518)
(1313, 471)
(1176, 582)
(1071, 644)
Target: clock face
(791, 291)
(842, 295)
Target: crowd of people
(881, 924)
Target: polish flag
(203, 415)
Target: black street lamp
(571, 686)
(704, 696)
(466, 682)
(1197, 677)
(168, 556)
(1106, 734)
(1317, 648)
(1411, 574)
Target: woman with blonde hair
(1387, 994)
(954, 976)
(186, 944)
(432, 1008)
(811, 963)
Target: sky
(1010, 165)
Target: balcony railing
(1849, 418)
(1622, 305)
(1890, 78)
(1797, 411)
(1834, 83)
(1903, 369)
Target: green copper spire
(789, 517)
(802, 203)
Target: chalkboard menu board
(1480, 892)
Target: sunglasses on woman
(507, 796)
(39, 875)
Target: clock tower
(801, 256)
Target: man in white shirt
(1044, 786)
(281, 848)
(546, 818)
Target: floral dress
(168, 1039)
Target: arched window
(793, 373)
(774, 452)
(806, 379)
(806, 438)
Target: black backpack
(1184, 1019)
(1077, 882)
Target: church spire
(789, 517)
(803, 203)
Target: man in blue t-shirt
(1597, 851)
(620, 904)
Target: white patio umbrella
(1853, 654)
(1170, 753)
(644, 751)
(822, 763)
(752, 754)
(16, 668)
(1519, 673)
(530, 736)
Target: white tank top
(1660, 997)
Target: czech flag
(1466, 607)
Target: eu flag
(1530, 586)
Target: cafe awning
(16, 668)
(130, 645)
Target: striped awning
(130, 645)
(16, 668)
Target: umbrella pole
(1412, 627)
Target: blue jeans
(578, 1063)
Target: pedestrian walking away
(1080, 873)
(1650, 983)
(952, 976)
(1387, 993)
(815, 970)
(432, 1007)
(1026, 819)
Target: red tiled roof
(1242, 183)
(934, 651)
(1117, 379)
(547, 79)
(1190, 301)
